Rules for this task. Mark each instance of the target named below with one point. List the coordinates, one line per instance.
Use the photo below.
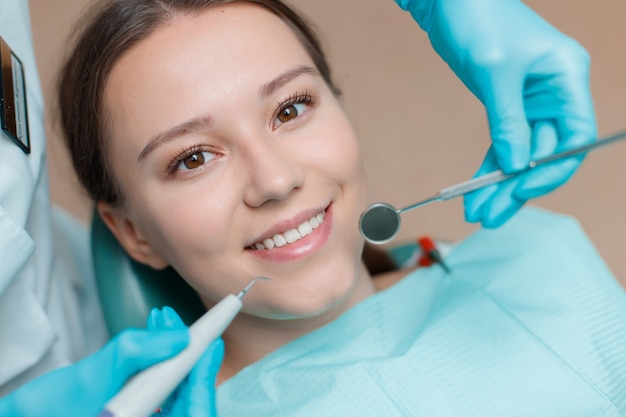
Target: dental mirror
(380, 222)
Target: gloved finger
(195, 396)
(545, 179)
(510, 131)
(494, 204)
(172, 319)
(85, 387)
(504, 202)
(154, 319)
(132, 351)
(557, 88)
(501, 206)
(561, 94)
(474, 202)
(166, 318)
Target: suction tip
(245, 290)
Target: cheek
(343, 159)
(185, 225)
(199, 240)
(343, 167)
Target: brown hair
(112, 28)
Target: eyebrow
(189, 126)
(269, 88)
(198, 123)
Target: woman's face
(228, 145)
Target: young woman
(210, 135)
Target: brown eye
(288, 113)
(193, 161)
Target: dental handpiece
(148, 390)
(380, 222)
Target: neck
(250, 338)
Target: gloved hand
(82, 389)
(195, 396)
(534, 83)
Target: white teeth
(279, 240)
(293, 235)
(314, 222)
(305, 229)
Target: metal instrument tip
(245, 290)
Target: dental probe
(380, 222)
(149, 389)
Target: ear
(129, 236)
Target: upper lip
(284, 225)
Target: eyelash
(184, 154)
(297, 98)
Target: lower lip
(302, 248)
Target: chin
(313, 301)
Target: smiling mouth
(290, 236)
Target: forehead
(197, 63)
(215, 37)
(221, 49)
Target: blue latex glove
(84, 388)
(534, 83)
(195, 396)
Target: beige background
(421, 129)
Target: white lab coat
(49, 312)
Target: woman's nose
(273, 174)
